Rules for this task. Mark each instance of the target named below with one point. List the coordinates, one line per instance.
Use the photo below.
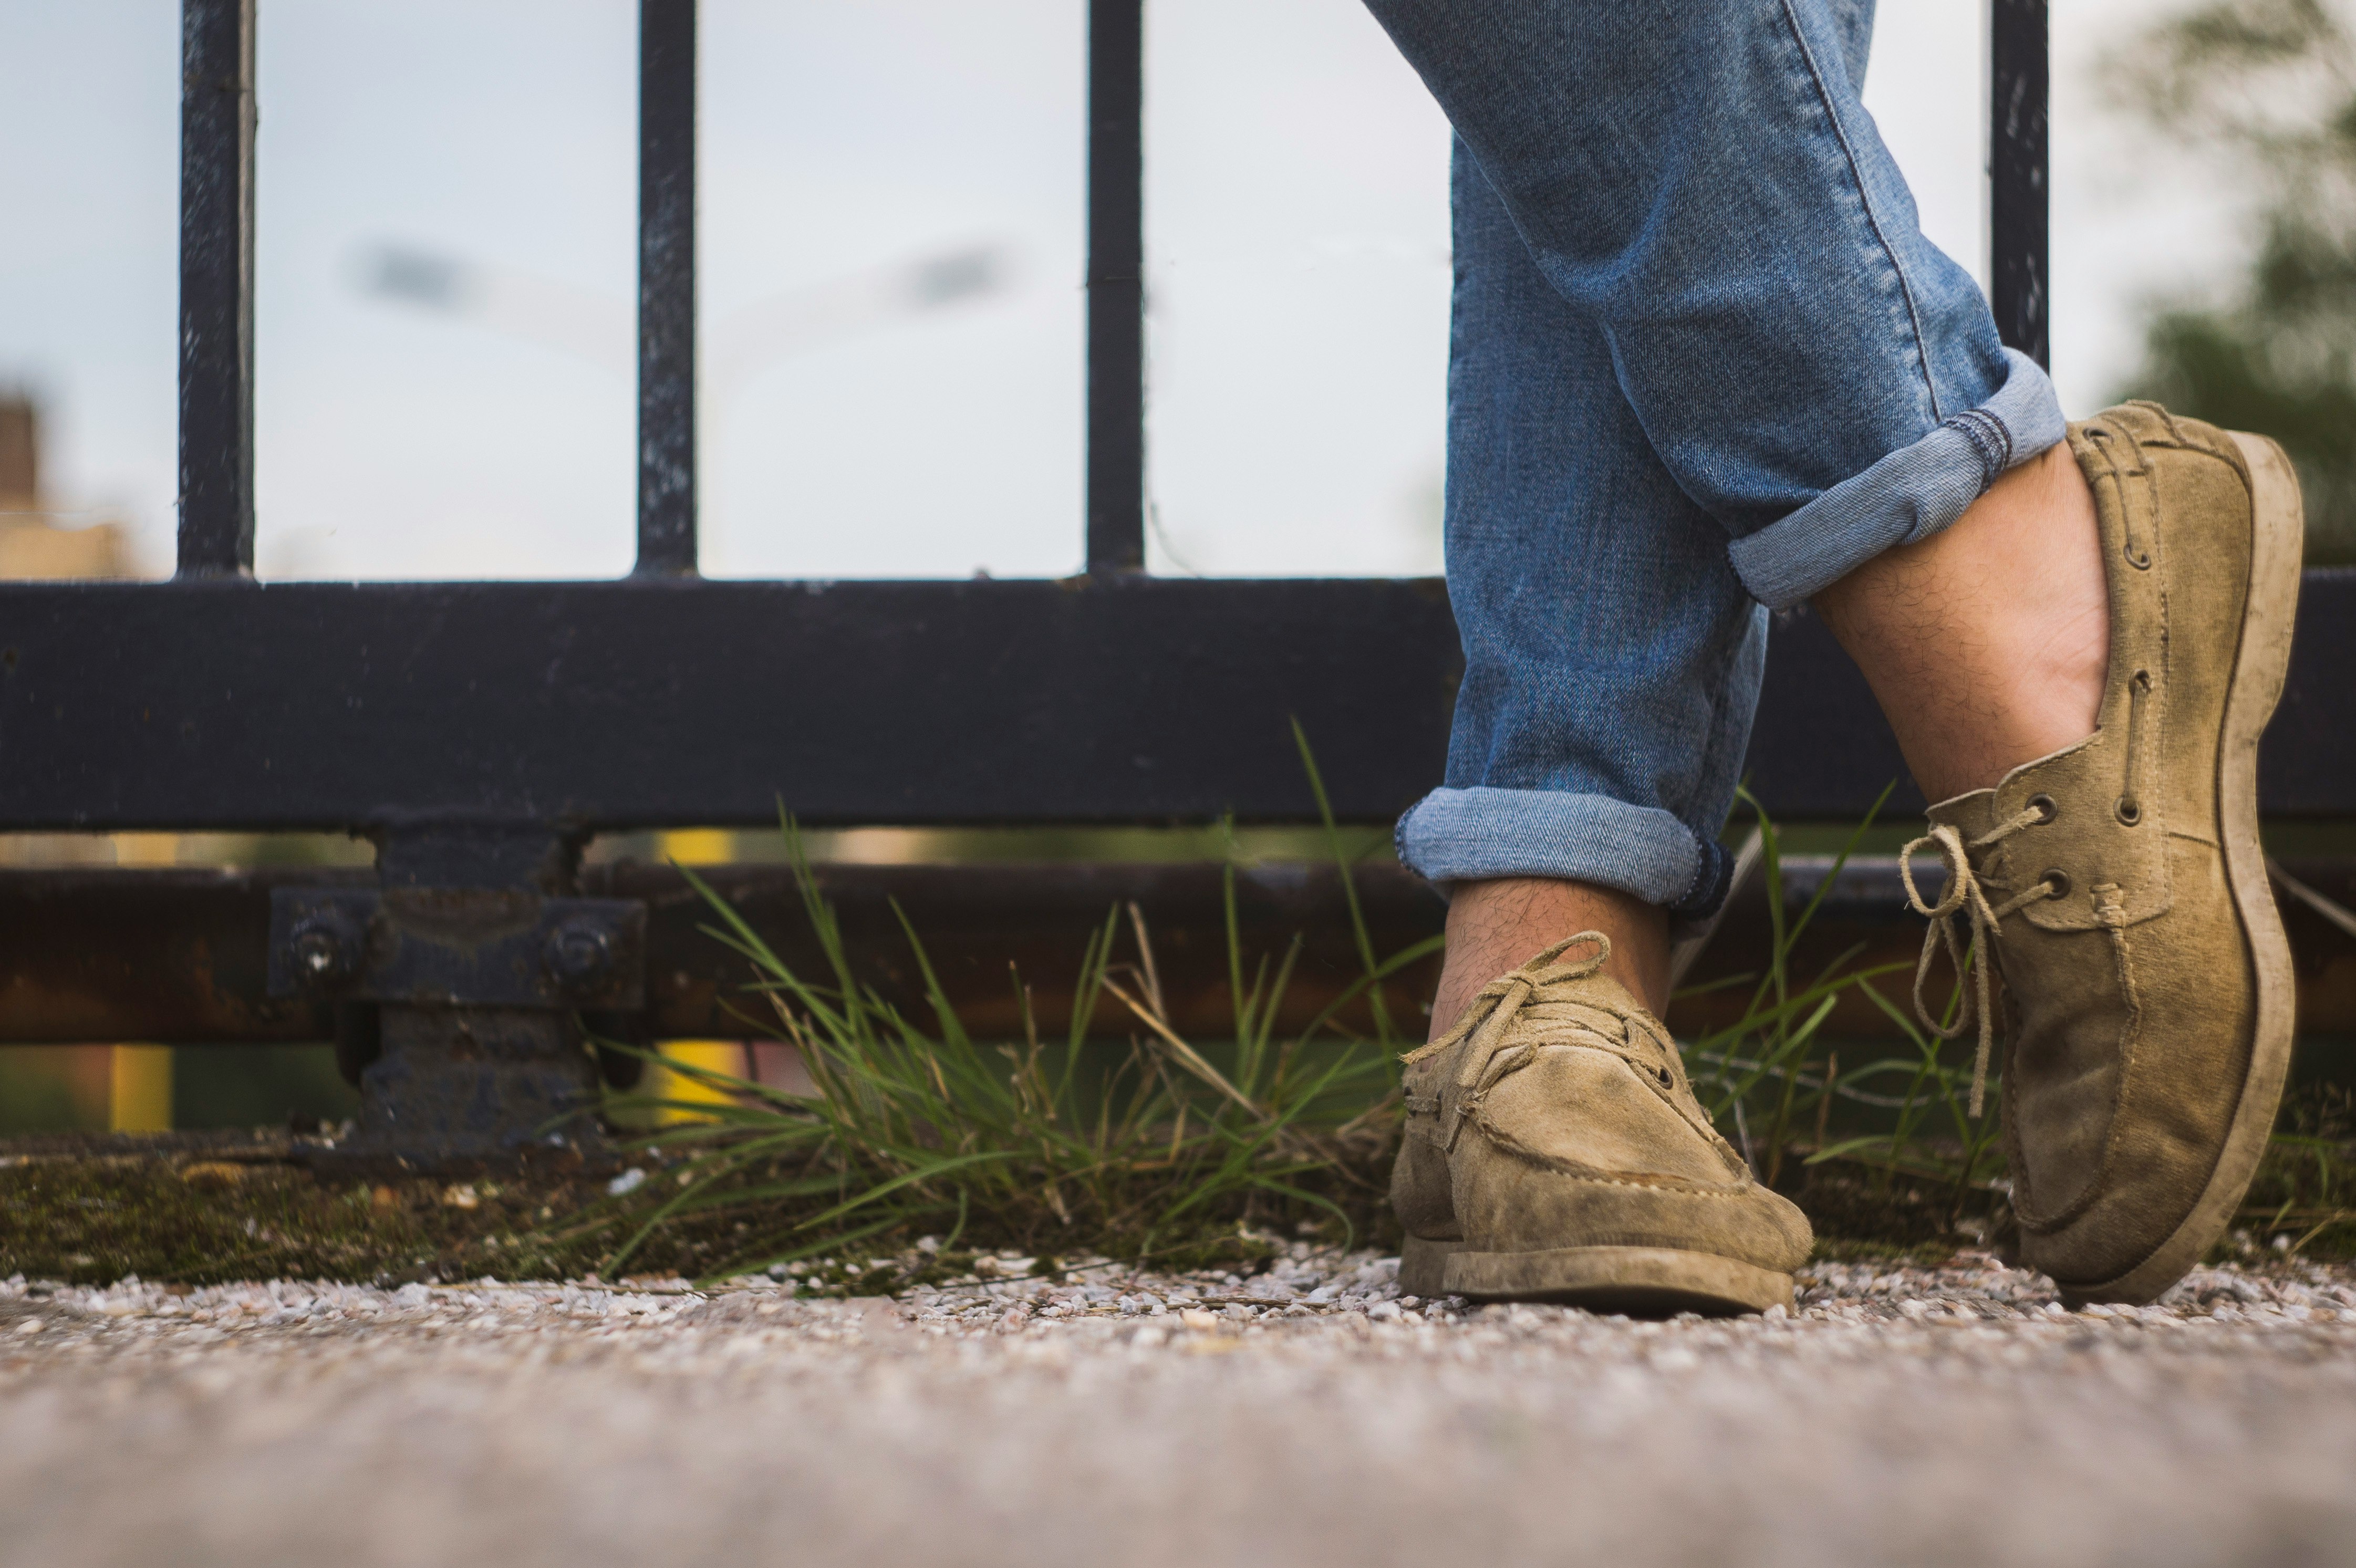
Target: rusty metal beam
(182, 955)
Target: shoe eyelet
(2058, 883)
(2128, 812)
(2044, 805)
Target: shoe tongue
(1971, 815)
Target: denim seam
(1712, 882)
(1704, 866)
(1989, 437)
(1865, 201)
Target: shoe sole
(2261, 664)
(1639, 1281)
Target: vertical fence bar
(2020, 194)
(1116, 483)
(217, 125)
(666, 286)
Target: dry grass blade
(1187, 1056)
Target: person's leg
(1701, 182)
(1701, 186)
(1744, 312)
(1985, 644)
(1612, 664)
(1497, 925)
(1611, 655)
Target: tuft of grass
(1166, 1146)
(1162, 1146)
(2302, 1203)
(1155, 1149)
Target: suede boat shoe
(1554, 1151)
(2118, 883)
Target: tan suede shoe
(2146, 977)
(1555, 1152)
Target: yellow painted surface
(146, 849)
(139, 1097)
(139, 1088)
(715, 1056)
(698, 846)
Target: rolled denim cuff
(1472, 835)
(1907, 496)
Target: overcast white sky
(1298, 273)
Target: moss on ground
(201, 1220)
(207, 1208)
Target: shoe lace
(1492, 1012)
(1493, 1008)
(1964, 900)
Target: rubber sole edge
(1641, 1280)
(2261, 667)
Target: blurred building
(38, 537)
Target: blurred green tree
(2269, 87)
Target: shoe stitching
(1660, 1069)
(1505, 1142)
(1673, 1241)
(1660, 1078)
(2110, 911)
(2141, 553)
(2101, 439)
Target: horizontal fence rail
(657, 703)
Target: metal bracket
(459, 946)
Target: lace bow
(1964, 897)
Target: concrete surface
(1306, 1416)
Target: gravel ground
(1303, 1416)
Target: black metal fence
(480, 733)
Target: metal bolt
(579, 954)
(322, 951)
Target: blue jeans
(1703, 363)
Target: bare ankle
(1986, 644)
(1500, 925)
